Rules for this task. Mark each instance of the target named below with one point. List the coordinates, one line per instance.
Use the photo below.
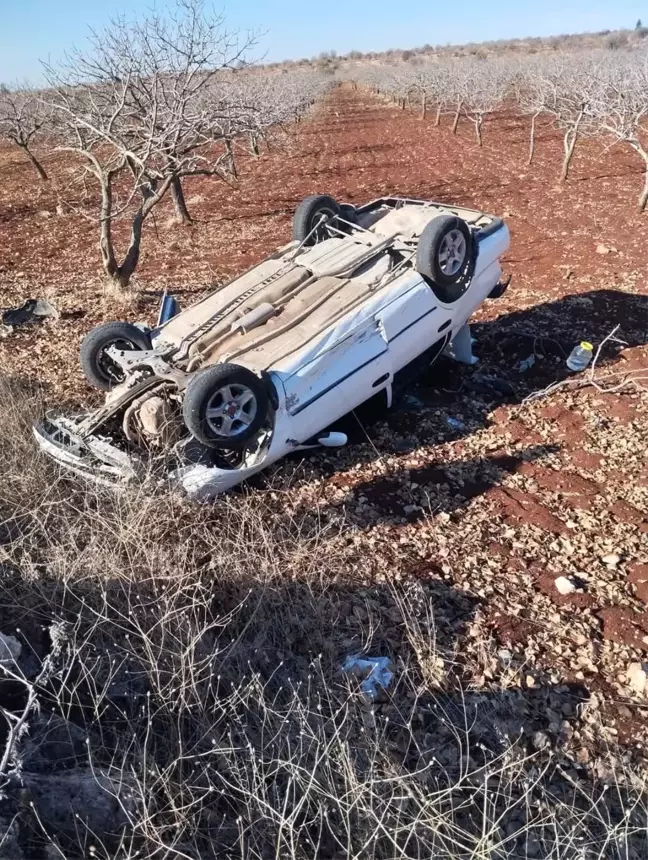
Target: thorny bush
(191, 655)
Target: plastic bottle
(580, 357)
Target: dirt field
(506, 497)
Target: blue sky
(35, 29)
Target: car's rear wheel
(98, 367)
(445, 255)
(311, 217)
(225, 405)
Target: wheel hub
(230, 410)
(452, 252)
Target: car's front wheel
(98, 367)
(225, 405)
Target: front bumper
(91, 457)
(97, 460)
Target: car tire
(214, 390)
(97, 367)
(308, 213)
(445, 256)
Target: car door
(412, 322)
(338, 379)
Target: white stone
(10, 649)
(611, 560)
(637, 678)
(565, 586)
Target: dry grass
(190, 656)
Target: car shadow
(520, 353)
(435, 488)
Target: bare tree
(530, 93)
(22, 120)
(482, 87)
(569, 86)
(621, 108)
(144, 107)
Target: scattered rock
(75, 801)
(582, 755)
(637, 678)
(603, 249)
(638, 576)
(565, 586)
(540, 741)
(10, 649)
(611, 560)
(505, 658)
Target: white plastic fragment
(565, 586)
(375, 671)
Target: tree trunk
(455, 124)
(232, 160)
(532, 140)
(254, 145)
(569, 146)
(125, 271)
(179, 202)
(423, 104)
(478, 130)
(643, 199)
(105, 239)
(437, 121)
(38, 167)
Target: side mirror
(332, 440)
(168, 309)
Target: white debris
(505, 658)
(611, 560)
(565, 586)
(603, 249)
(10, 649)
(637, 678)
(376, 672)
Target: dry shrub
(185, 661)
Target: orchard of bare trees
(148, 104)
(601, 93)
(144, 106)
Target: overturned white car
(263, 365)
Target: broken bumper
(101, 462)
(91, 457)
